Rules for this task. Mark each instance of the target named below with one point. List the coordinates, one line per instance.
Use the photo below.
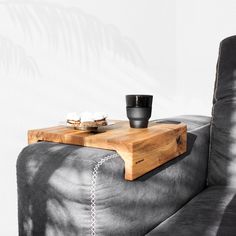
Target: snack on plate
(100, 118)
(86, 120)
(73, 119)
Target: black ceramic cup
(139, 110)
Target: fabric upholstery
(222, 164)
(55, 183)
(211, 213)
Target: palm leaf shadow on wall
(15, 56)
(80, 36)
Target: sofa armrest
(192, 121)
(83, 189)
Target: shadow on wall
(14, 58)
(58, 42)
(78, 35)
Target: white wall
(61, 56)
(200, 26)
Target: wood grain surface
(141, 149)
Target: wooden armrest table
(141, 149)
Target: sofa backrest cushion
(222, 160)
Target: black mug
(139, 110)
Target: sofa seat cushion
(212, 212)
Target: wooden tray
(141, 149)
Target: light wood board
(141, 149)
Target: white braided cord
(93, 190)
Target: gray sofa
(70, 190)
